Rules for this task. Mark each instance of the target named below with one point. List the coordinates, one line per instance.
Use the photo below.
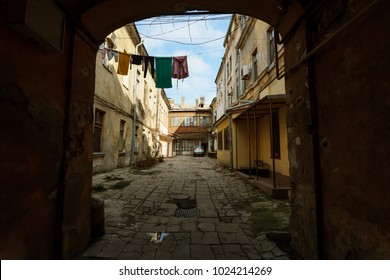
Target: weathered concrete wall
(33, 93)
(78, 161)
(348, 80)
(45, 147)
(352, 88)
(303, 216)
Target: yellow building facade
(250, 105)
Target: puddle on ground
(184, 203)
(122, 184)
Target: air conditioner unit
(245, 72)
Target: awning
(262, 107)
(167, 137)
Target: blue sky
(190, 35)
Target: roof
(263, 106)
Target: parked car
(198, 151)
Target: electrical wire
(194, 44)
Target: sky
(200, 38)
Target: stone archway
(337, 95)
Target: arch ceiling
(100, 17)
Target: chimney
(201, 101)
(182, 101)
(197, 102)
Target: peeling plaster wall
(79, 147)
(32, 112)
(349, 84)
(303, 216)
(352, 88)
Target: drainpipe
(249, 144)
(256, 145)
(133, 150)
(271, 131)
(230, 140)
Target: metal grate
(187, 213)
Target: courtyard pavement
(187, 208)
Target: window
(229, 67)
(254, 65)
(238, 90)
(271, 46)
(189, 121)
(121, 144)
(175, 121)
(219, 135)
(97, 130)
(203, 121)
(226, 139)
(275, 144)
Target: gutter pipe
(133, 150)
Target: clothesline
(175, 67)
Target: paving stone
(112, 250)
(202, 252)
(182, 252)
(208, 213)
(172, 228)
(95, 248)
(128, 256)
(233, 252)
(268, 255)
(267, 245)
(189, 226)
(133, 248)
(277, 252)
(216, 193)
(206, 227)
(152, 228)
(224, 227)
(183, 238)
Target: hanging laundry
(123, 65)
(104, 56)
(149, 60)
(136, 59)
(163, 72)
(179, 67)
(111, 54)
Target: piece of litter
(157, 237)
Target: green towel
(163, 72)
